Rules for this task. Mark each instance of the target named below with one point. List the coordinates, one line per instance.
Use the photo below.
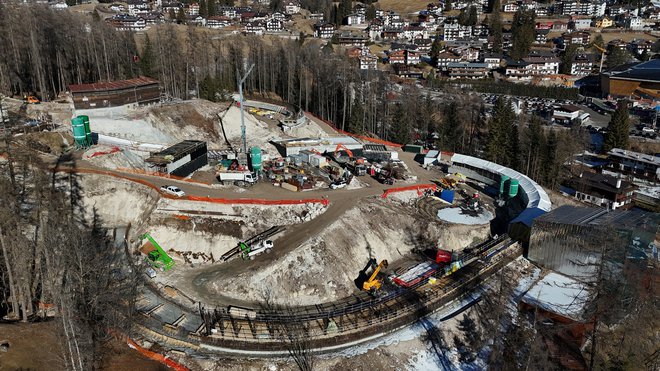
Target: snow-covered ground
(456, 215)
(120, 122)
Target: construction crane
(602, 55)
(372, 284)
(240, 80)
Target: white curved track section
(475, 168)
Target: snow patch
(456, 215)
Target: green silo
(255, 158)
(513, 187)
(79, 134)
(503, 180)
(88, 132)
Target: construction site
(255, 226)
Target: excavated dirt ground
(323, 268)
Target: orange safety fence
(239, 201)
(156, 356)
(182, 217)
(101, 153)
(257, 201)
(417, 188)
(161, 175)
(362, 137)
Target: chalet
(493, 60)
(117, 8)
(196, 20)
(354, 19)
(403, 70)
(541, 36)
(634, 23)
(392, 33)
(136, 7)
(455, 31)
(633, 164)
(125, 22)
(274, 25)
(640, 47)
(255, 28)
(580, 23)
(510, 7)
(171, 7)
(291, 7)
(541, 11)
(228, 11)
(466, 53)
(279, 16)
(617, 43)
(192, 9)
(465, 70)
(398, 56)
(423, 45)
(360, 8)
(324, 30)
(582, 65)
(368, 62)
(604, 22)
(153, 18)
(411, 32)
(480, 30)
(412, 57)
(218, 21)
(603, 190)
(578, 37)
(59, 6)
(375, 31)
(445, 58)
(543, 25)
(350, 39)
(316, 16)
(559, 26)
(354, 52)
(583, 7)
(532, 66)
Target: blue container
(447, 195)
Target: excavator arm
(372, 283)
(341, 146)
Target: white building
(455, 31)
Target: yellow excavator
(373, 284)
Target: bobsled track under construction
(269, 328)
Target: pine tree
(370, 13)
(356, 120)
(203, 9)
(96, 16)
(522, 30)
(567, 59)
(498, 132)
(619, 128)
(147, 60)
(513, 146)
(617, 57)
(400, 125)
(436, 49)
(496, 26)
(211, 8)
(473, 17)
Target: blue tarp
(528, 216)
(447, 195)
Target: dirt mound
(196, 119)
(53, 143)
(323, 268)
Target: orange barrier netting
(161, 175)
(257, 201)
(156, 356)
(417, 188)
(362, 137)
(101, 153)
(182, 217)
(240, 201)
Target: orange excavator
(373, 284)
(341, 146)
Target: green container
(413, 148)
(88, 132)
(503, 180)
(79, 134)
(513, 188)
(255, 158)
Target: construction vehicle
(156, 256)
(31, 99)
(239, 178)
(373, 284)
(254, 246)
(339, 147)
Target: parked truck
(239, 178)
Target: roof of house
(646, 71)
(112, 85)
(601, 217)
(559, 294)
(635, 156)
(601, 183)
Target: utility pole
(240, 94)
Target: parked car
(173, 190)
(338, 184)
